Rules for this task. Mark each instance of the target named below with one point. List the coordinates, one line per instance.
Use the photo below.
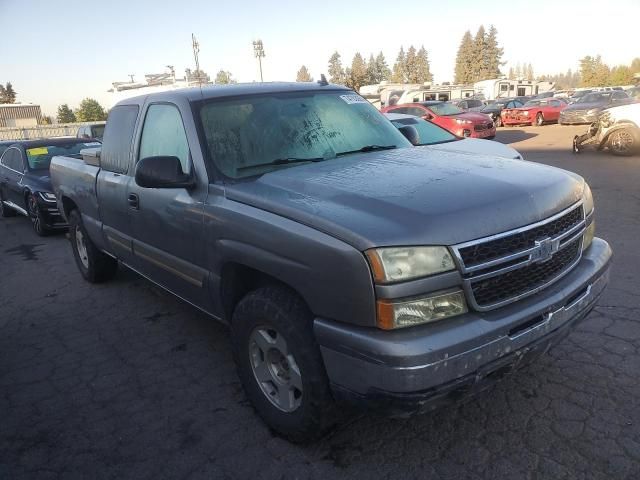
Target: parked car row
(351, 264)
(25, 186)
(586, 109)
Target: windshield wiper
(282, 161)
(368, 148)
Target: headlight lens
(49, 197)
(525, 112)
(587, 200)
(396, 264)
(408, 313)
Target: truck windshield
(248, 136)
(40, 157)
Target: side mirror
(410, 133)
(162, 172)
(427, 116)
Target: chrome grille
(507, 267)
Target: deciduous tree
(224, 77)
(65, 114)
(90, 111)
(7, 93)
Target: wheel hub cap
(275, 369)
(82, 248)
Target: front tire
(94, 265)
(36, 217)
(498, 122)
(624, 142)
(280, 365)
(539, 119)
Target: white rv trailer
(442, 92)
(504, 88)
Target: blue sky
(62, 51)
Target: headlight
(407, 313)
(462, 121)
(526, 113)
(396, 264)
(47, 197)
(587, 199)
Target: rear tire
(94, 265)
(280, 365)
(624, 142)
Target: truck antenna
(323, 80)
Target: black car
(4, 145)
(494, 109)
(469, 104)
(25, 186)
(588, 108)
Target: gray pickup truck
(348, 264)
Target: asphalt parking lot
(122, 380)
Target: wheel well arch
(67, 206)
(237, 280)
(619, 125)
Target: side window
(555, 103)
(118, 136)
(418, 112)
(402, 110)
(163, 135)
(12, 159)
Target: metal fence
(41, 131)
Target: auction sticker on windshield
(353, 99)
(37, 151)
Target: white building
(19, 115)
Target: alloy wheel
(275, 369)
(82, 248)
(621, 142)
(34, 214)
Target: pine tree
(65, 114)
(492, 55)
(411, 73)
(635, 65)
(372, 72)
(399, 70)
(382, 69)
(357, 75)
(336, 72)
(422, 66)
(464, 60)
(530, 72)
(518, 71)
(303, 75)
(479, 65)
(512, 74)
(7, 93)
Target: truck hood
(477, 145)
(412, 196)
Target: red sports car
(449, 117)
(534, 112)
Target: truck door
(168, 222)
(113, 181)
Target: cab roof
(195, 94)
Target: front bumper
(419, 367)
(517, 120)
(51, 215)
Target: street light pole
(258, 50)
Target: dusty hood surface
(478, 146)
(412, 196)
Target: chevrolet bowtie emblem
(544, 250)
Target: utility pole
(196, 50)
(131, 77)
(258, 50)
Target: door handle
(133, 201)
